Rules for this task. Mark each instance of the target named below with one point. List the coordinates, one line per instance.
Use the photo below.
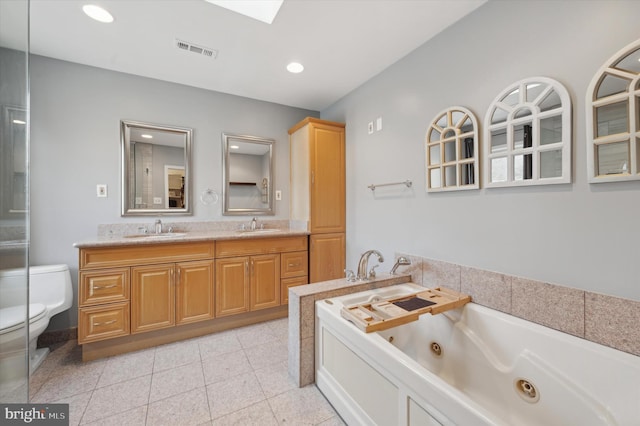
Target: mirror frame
(128, 210)
(226, 209)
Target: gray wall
(576, 235)
(75, 144)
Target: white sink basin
(164, 235)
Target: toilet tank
(51, 286)
(13, 287)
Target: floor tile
(117, 398)
(77, 406)
(189, 408)
(333, 421)
(258, 334)
(71, 383)
(221, 367)
(303, 406)
(176, 354)
(218, 343)
(126, 367)
(176, 381)
(134, 417)
(280, 328)
(274, 379)
(266, 354)
(259, 414)
(234, 394)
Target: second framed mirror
(247, 175)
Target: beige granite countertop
(118, 235)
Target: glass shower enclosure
(14, 201)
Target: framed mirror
(247, 175)
(156, 169)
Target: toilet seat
(12, 318)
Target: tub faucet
(158, 226)
(254, 222)
(401, 261)
(364, 263)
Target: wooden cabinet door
(327, 257)
(232, 286)
(194, 291)
(152, 297)
(328, 197)
(265, 281)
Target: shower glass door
(14, 200)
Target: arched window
(527, 135)
(452, 151)
(613, 116)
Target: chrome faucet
(364, 263)
(401, 261)
(254, 222)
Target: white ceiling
(341, 43)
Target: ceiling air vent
(200, 50)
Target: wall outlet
(370, 127)
(138, 200)
(278, 195)
(157, 200)
(101, 190)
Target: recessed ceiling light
(295, 67)
(262, 10)
(97, 13)
(234, 147)
(147, 136)
(16, 121)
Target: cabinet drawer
(290, 282)
(245, 247)
(104, 286)
(294, 264)
(103, 322)
(147, 254)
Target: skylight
(262, 10)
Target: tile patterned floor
(236, 377)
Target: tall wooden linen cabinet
(318, 193)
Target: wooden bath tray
(388, 313)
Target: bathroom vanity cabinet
(249, 274)
(318, 192)
(137, 296)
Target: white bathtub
(493, 369)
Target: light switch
(278, 195)
(378, 123)
(370, 127)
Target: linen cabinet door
(232, 286)
(328, 193)
(194, 291)
(152, 297)
(265, 281)
(327, 257)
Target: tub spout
(401, 261)
(363, 264)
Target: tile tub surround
(302, 301)
(603, 319)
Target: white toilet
(50, 293)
